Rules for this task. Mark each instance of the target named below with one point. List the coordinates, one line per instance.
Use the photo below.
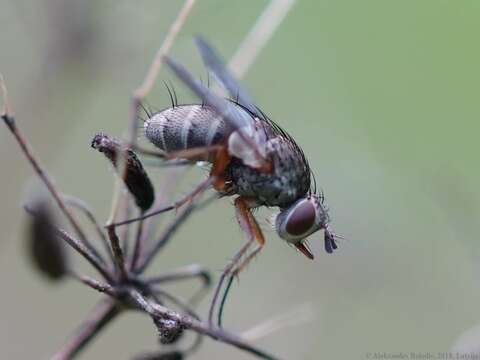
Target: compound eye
(301, 219)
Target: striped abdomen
(184, 127)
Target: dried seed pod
(169, 330)
(46, 250)
(136, 179)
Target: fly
(251, 156)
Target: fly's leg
(194, 153)
(250, 227)
(200, 188)
(222, 159)
(220, 162)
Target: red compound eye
(301, 219)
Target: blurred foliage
(383, 97)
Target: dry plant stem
(183, 273)
(139, 244)
(189, 197)
(102, 314)
(165, 237)
(82, 206)
(140, 94)
(83, 250)
(154, 69)
(258, 36)
(39, 170)
(178, 302)
(117, 252)
(126, 209)
(294, 317)
(145, 88)
(95, 284)
(157, 311)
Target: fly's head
(301, 219)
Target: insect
(251, 156)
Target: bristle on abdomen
(185, 127)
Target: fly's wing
(235, 116)
(217, 68)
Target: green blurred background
(382, 95)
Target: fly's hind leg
(250, 227)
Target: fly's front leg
(253, 233)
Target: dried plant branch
(157, 312)
(126, 287)
(77, 245)
(186, 272)
(103, 313)
(169, 230)
(297, 316)
(84, 251)
(95, 284)
(202, 186)
(259, 35)
(118, 257)
(172, 33)
(26, 148)
(82, 206)
(165, 236)
(139, 245)
(140, 94)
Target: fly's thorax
(302, 218)
(184, 127)
(288, 181)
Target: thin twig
(78, 246)
(139, 245)
(168, 231)
(94, 284)
(178, 302)
(186, 272)
(157, 311)
(117, 252)
(259, 35)
(103, 313)
(164, 237)
(40, 171)
(82, 206)
(162, 196)
(295, 317)
(84, 251)
(188, 197)
(172, 33)
(5, 102)
(144, 89)
(126, 209)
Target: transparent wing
(217, 68)
(236, 117)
